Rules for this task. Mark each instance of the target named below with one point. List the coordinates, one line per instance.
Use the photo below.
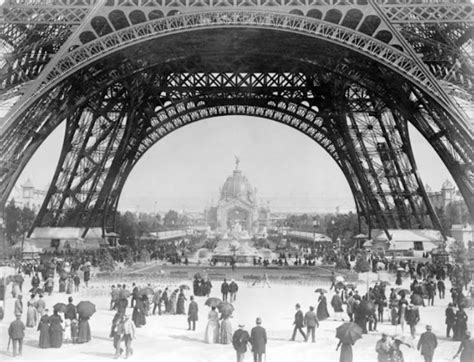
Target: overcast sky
(186, 169)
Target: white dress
(212, 329)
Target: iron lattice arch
(129, 77)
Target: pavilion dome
(238, 187)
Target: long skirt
(346, 353)
(31, 317)
(69, 287)
(56, 337)
(44, 341)
(138, 318)
(84, 331)
(226, 332)
(180, 307)
(62, 286)
(322, 312)
(212, 332)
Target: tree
(107, 263)
(171, 218)
(127, 227)
(362, 265)
(458, 252)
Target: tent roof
(411, 235)
(65, 233)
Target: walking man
(427, 344)
(383, 349)
(311, 321)
(128, 335)
(450, 319)
(224, 290)
(192, 314)
(299, 323)
(233, 288)
(258, 339)
(240, 339)
(16, 332)
(19, 305)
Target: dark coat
(233, 287)
(16, 329)
(43, 328)
(450, 316)
(56, 331)
(224, 288)
(240, 339)
(258, 338)
(84, 334)
(299, 319)
(193, 311)
(427, 343)
(310, 319)
(70, 312)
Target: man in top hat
(427, 344)
(233, 288)
(16, 332)
(192, 314)
(383, 349)
(240, 339)
(258, 339)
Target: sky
(185, 170)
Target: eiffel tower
(350, 74)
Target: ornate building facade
(237, 208)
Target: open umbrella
(320, 290)
(351, 286)
(416, 299)
(146, 291)
(367, 308)
(85, 309)
(225, 308)
(339, 278)
(184, 286)
(60, 307)
(401, 291)
(213, 302)
(403, 340)
(348, 332)
(400, 269)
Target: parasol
(85, 309)
(400, 269)
(339, 278)
(18, 278)
(60, 307)
(403, 340)
(184, 286)
(320, 290)
(348, 332)
(465, 302)
(416, 299)
(367, 308)
(404, 291)
(225, 308)
(146, 291)
(213, 302)
(351, 286)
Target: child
(67, 331)
(74, 330)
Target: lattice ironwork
(82, 63)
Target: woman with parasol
(212, 329)
(225, 333)
(56, 330)
(43, 328)
(173, 301)
(85, 310)
(347, 333)
(322, 310)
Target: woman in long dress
(346, 351)
(180, 303)
(322, 311)
(225, 333)
(84, 330)
(336, 304)
(460, 327)
(138, 315)
(56, 330)
(31, 317)
(43, 328)
(173, 301)
(212, 328)
(69, 285)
